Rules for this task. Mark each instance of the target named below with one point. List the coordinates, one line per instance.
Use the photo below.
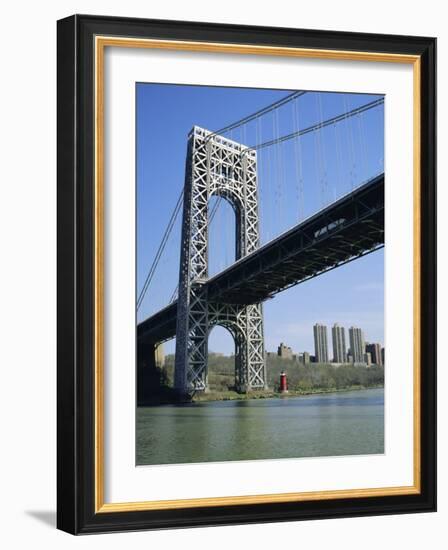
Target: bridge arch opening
(221, 359)
(222, 233)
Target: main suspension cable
(319, 125)
(160, 250)
(257, 114)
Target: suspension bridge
(346, 222)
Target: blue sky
(295, 179)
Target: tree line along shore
(302, 379)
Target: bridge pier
(152, 387)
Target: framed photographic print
(246, 274)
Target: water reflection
(347, 423)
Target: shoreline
(234, 396)
(212, 396)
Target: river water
(343, 423)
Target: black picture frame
(76, 512)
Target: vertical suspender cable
(322, 159)
(317, 160)
(277, 169)
(338, 157)
(362, 147)
(298, 163)
(351, 144)
(259, 174)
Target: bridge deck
(345, 230)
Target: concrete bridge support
(151, 383)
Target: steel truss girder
(222, 167)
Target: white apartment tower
(339, 347)
(320, 343)
(357, 345)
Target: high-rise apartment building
(375, 351)
(357, 346)
(339, 347)
(320, 343)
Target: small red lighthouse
(283, 383)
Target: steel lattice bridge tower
(217, 166)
